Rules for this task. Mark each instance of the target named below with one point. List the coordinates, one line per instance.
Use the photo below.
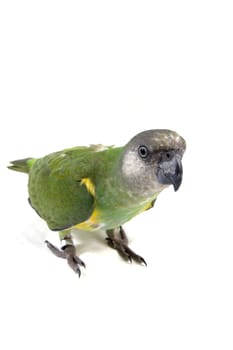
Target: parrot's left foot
(68, 252)
(117, 239)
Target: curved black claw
(68, 253)
(124, 250)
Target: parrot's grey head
(152, 161)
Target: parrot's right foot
(117, 239)
(67, 252)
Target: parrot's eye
(143, 152)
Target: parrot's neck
(119, 198)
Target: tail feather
(22, 165)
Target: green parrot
(101, 188)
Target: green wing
(56, 190)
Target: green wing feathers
(56, 190)
(22, 165)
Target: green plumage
(56, 191)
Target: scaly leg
(117, 239)
(67, 251)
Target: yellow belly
(96, 221)
(92, 224)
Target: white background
(81, 72)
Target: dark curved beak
(170, 172)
